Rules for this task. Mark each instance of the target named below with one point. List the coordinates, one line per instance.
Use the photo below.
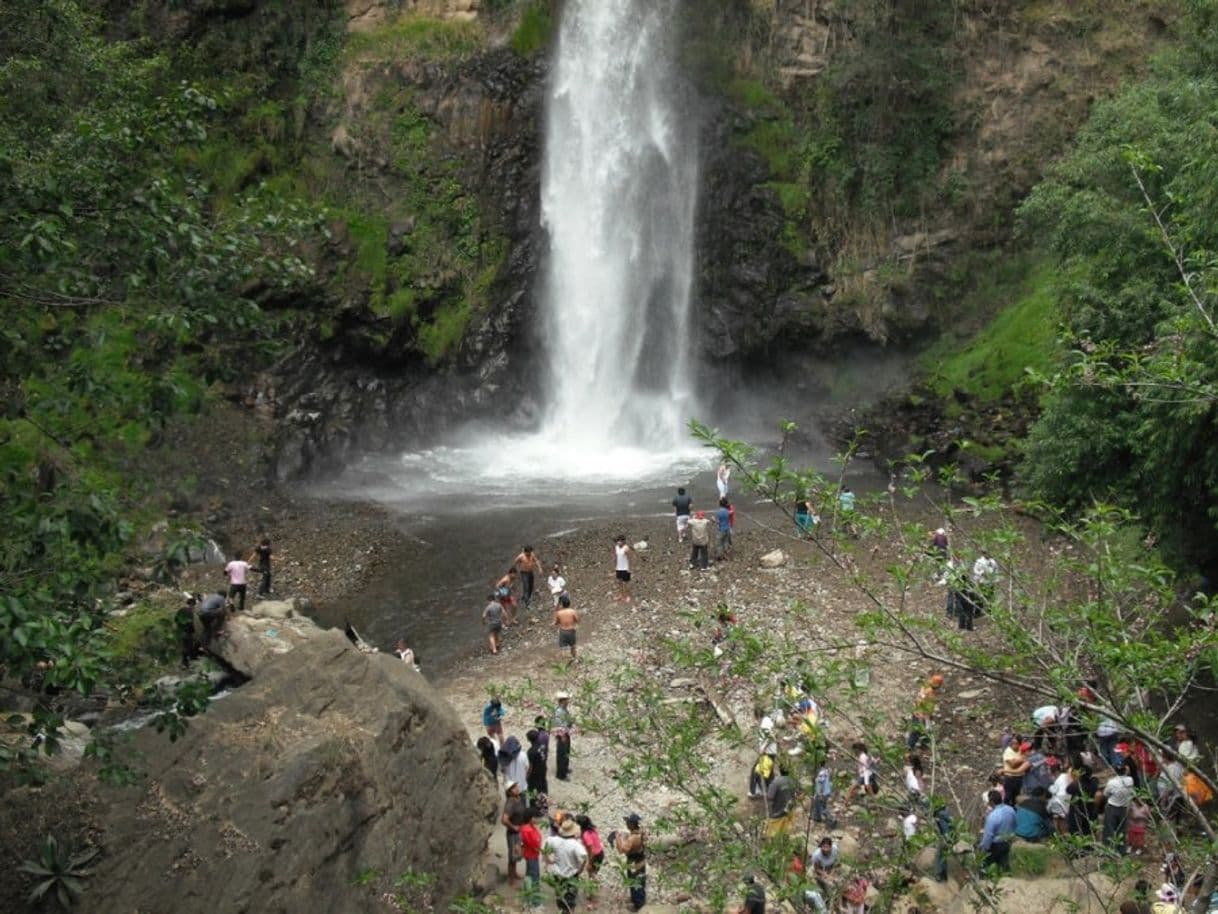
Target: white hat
(563, 696)
(509, 785)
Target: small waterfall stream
(619, 194)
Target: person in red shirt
(530, 849)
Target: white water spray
(619, 193)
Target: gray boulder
(329, 763)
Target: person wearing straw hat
(561, 725)
(566, 855)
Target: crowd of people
(571, 852)
(210, 610)
(1056, 777)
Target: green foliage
(131, 222)
(536, 26)
(883, 114)
(1129, 215)
(61, 874)
(1020, 339)
(415, 36)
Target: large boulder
(330, 764)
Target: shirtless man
(567, 620)
(527, 565)
(503, 589)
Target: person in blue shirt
(724, 518)
(492, 719)
(997, 834)
(1032, 816)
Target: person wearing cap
(754, 896)
(567, 857)
(632, 844)
(514, 816)
(562, 722)
(699, 537)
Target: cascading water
(618, 200)
(619, 192)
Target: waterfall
(619, 193)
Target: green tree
(1131, 418)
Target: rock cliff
(329, 765)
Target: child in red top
(530, 849)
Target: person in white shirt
(557, 584)
(566, 857)
(1118, 793)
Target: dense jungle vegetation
(159, 221)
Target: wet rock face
(342, 397)
(327, 764)
(752, 291)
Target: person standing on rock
(527, 566)
(184, 620)
(683, 503)
(514, 816)
(997, 834)
(699, 536)
(632, 844)
(492, 618)
(567, 621)
(622, 554)
(562, 723)
(262, 552)
(236, 571)
(567, 857)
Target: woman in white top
(621, 567)
(722, 478)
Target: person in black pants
(184, 619)
(263, 552)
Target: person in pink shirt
(596, 854)
(237, 570)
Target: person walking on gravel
(492, 618)
(528, 567)
(622, 554)
(566, 620)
